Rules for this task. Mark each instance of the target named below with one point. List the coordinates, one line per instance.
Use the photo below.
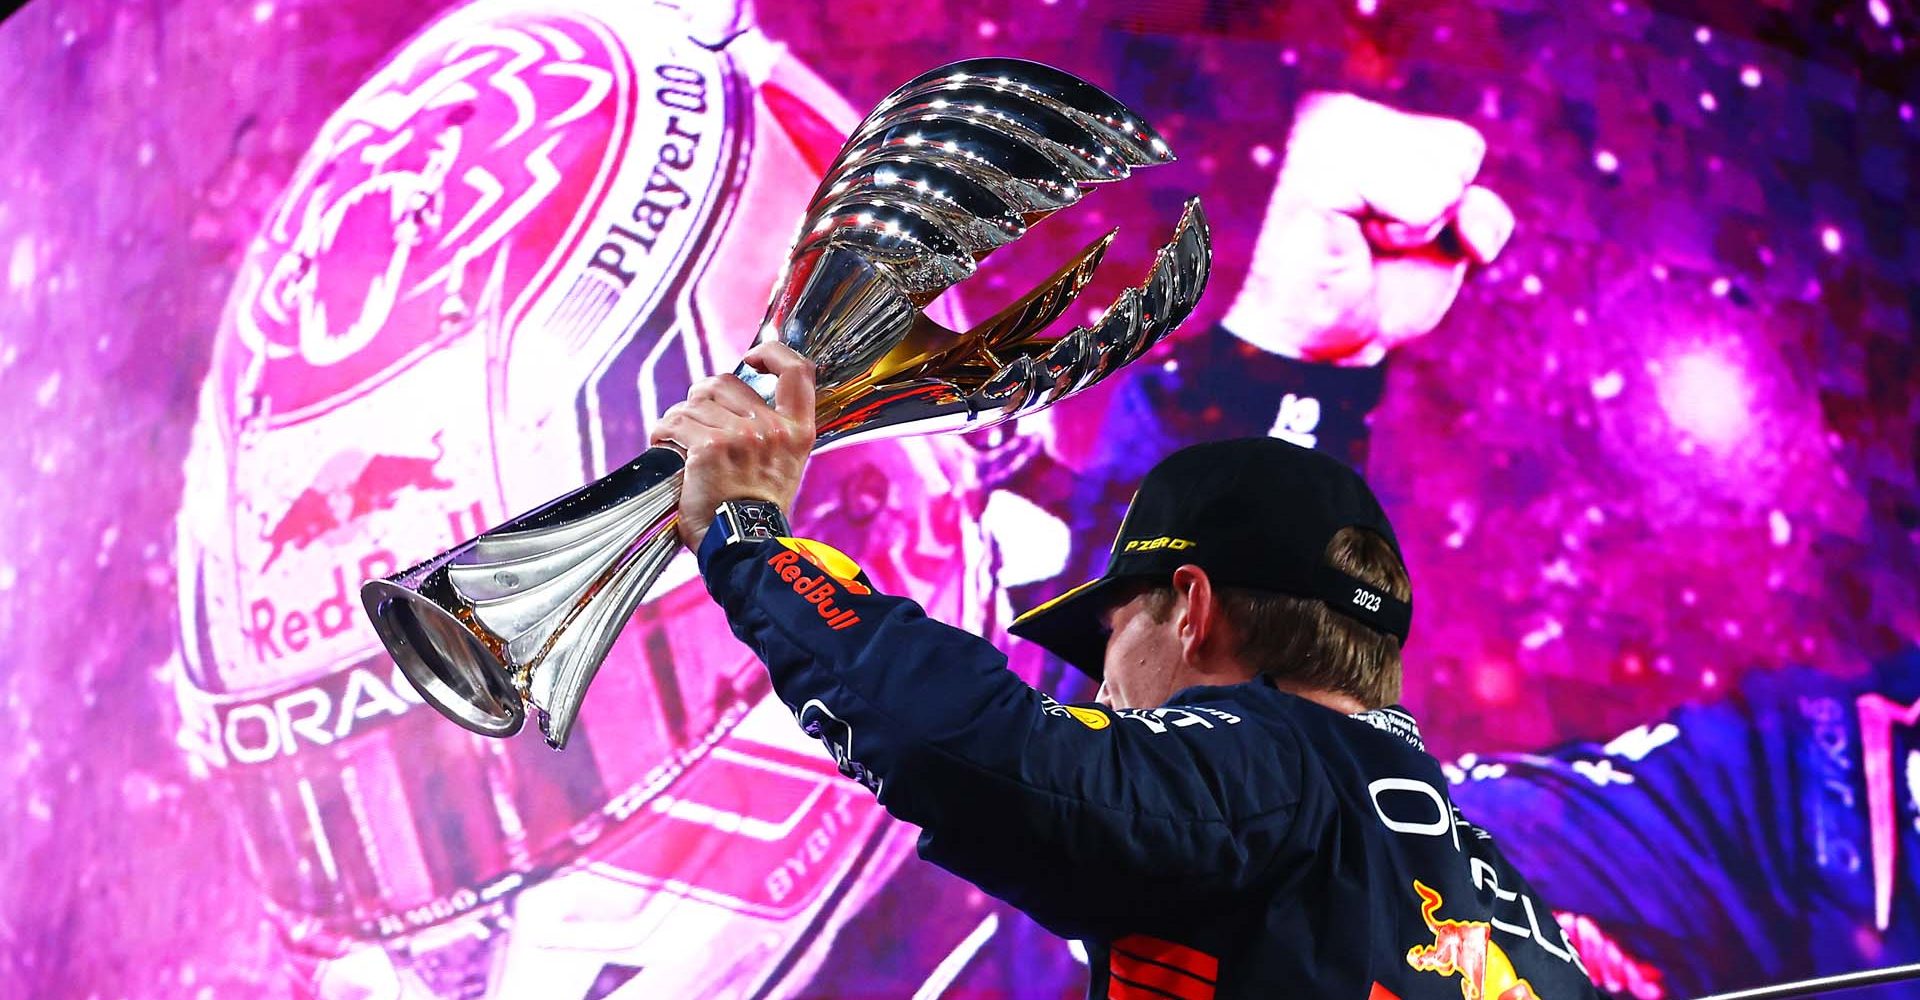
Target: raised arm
(1084, 818)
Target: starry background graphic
(1668, 438)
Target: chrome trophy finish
(955, 164)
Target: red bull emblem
(819, 590)
(349, 487)
(1465, 948)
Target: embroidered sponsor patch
(1086, 715)
(1154, 544)
(820, 587)
(819, 722)
(1092, 718)
(1170, 717)
(1465, 948)
(833, 562)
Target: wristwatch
(749, 520)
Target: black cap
(1252, 512)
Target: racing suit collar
(1394, 719)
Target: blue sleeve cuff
(712, 546)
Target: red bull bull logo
(350, 487)
(1465, 948)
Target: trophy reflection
(955, 164)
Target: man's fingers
(1312, 295)
(1390, 234)
(793, 392)
(729, 393)
(1352, 155)
(1485, 224)
(683, 428)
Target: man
(1764, 835)
(1245, 813)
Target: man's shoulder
(1324, 743)
(1256, 703)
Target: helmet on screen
(517, 243)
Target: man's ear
(1200, 619)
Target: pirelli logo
(818, 590)
(1155, 544)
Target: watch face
(755, 519)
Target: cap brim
(1069, 625)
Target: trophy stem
(523, 614)
(580, 643)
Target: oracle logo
(317, 715)
(436, 198)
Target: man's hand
(737, 447)
(1369, 232)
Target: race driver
(1766, 835)
(1245, 813)
(1371, 228)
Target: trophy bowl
(955, 164)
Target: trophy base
(446, 662)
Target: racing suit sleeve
(1675, 840)
(1087, 820)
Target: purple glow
(1706, 397)
(1661, 445)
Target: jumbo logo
(412, 212)
(822, 589)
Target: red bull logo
(818, 590)
(1465, 948)
(351, 486)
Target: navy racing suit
(1764, 836)
(1237, 842)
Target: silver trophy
(956, 163)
